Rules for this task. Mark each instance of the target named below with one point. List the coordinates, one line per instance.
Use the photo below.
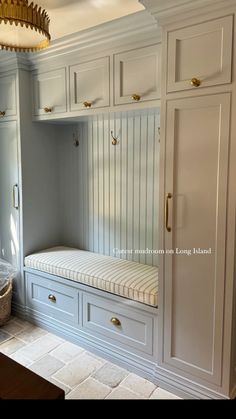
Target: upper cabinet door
(137, 75)
(89, 85)
(7, 96)
(200, 55)
(49, 91)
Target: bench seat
(117, 276)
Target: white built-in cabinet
(90, 84)
(49, 92)
(196, 176)
(126, 78)
(137, 75)
(200, 55)
(9, 194)
(196, 148)
(8, 108)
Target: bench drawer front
(52, 298)
(135, 329)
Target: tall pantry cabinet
(196, 342)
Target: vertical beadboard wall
(109, 194)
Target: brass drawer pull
(2, 113)
(52, 298)
(195, 82)
(136, 97)
(168, 196)
(115, 321)
(87, 104)
(47, 110)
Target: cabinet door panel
(89, 82)
(196, 176)
(202, 51)
(7, 96)
(137, 72)
(49, 90)
(9, 216)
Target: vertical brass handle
(52, 298)
(15, 196)
(2, 113)
(168, 196)
(195, 82)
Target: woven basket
(5, 303)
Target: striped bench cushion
(128, 279)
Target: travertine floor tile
(110, 374)
(67, 352)
(11, 346)
(46, 366)
(90, 389)
(4, 336)
(13, 327)
(31, 333)
(138, 385)
(20, 359)
(78, 370)
(40, 347)
(122, 393)
(163, 394)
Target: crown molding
(134, 27)
(167, 11)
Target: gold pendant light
(23, 27)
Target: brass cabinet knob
(47, 110)
(2, 113)
(52, 298)
(136, 97)
(87, 104)
(115, 321)
(195, 82)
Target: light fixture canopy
(24, 27)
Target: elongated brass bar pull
(168, 196)
(15, 196)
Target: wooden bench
(18, 382)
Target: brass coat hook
(114, 139)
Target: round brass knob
(2, 113)
(115, 321)
(87, 104)
(195, 82)
(136, 97)
(52, 298)
(47, 110)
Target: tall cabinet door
(197, 146)
(9, 198)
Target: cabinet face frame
(134, 55)
(8, 101)
(219, 75)
(51, 107)
(92, 102)
(170, 360)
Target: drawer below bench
(104, 316)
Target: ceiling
(70, 16)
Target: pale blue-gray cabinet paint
(110, 194)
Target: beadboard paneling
(109, 194)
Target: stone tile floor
(80, 373)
